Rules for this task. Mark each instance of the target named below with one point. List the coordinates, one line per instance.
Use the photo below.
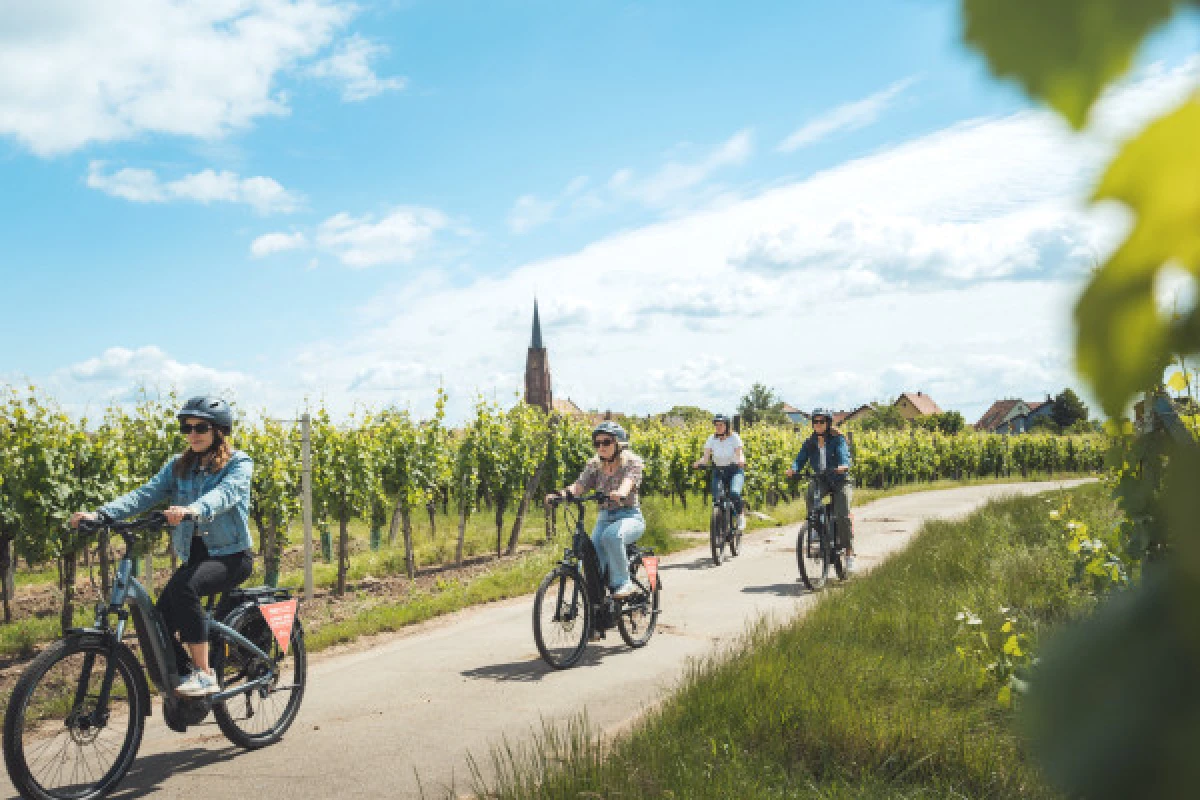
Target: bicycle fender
(119, 650)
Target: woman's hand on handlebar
(81, 516)
(789, 472)
(177, 514)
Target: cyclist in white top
(724, 449)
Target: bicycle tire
(235, 662)
(16, 723)
(571, 591)
(813, 564)
(716, 535)
(642, 608)
(735, 535)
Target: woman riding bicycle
(210, 484)
(829, 455)
(615, 472)
(724, 449)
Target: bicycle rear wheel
(56, 743)
(562, 617)
(637, 616)
(812, 556)
(260, 716)
(717, 535)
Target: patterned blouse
(593, 477)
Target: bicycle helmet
(612, 429)
(213, 409)
(721, 418)
(822, 412)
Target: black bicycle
(75, 718)
(817, 548)
(573, 600)
(723, 530)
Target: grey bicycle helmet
(823, 412)
(612, 429)
(213, 409)
(721, 418)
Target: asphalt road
(403, 711)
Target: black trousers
(181, 602)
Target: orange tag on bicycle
(280, 617)
(651, 563)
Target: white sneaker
(628, 590)
(849, 565)
(199, 684)
(741, 522)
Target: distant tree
(1044, 424)
(950, 422)
(883, 418)
(761, 404)
(1085, 426)
(689, 414)
(1068, 409)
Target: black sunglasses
(820, 421)
(199, 427)
(598, 443)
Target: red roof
(995, 415)
(922, 402)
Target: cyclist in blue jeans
(724, 449)
(616, 472)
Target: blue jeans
(614, 530)
(735, 479)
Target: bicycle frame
(153, 638)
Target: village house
(913, 405)
(1005, 416)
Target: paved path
(422, 700)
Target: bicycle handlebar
(153, 520)
(593, 497)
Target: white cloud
(848, 117)
(271, 243)
(394, 239)
(264, 195)
(119, 372)
(350, 65)
(674, 184)
(74, 72)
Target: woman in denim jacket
(617, 473)
(827, 453)
(209, 483)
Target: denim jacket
(837, 453)
(220, 501)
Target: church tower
(537, 369)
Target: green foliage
(996, 654)
(883, 418)
(1043, 424)
(761, 404)
(1128, 723)
(1068, 409)
(1065, 51)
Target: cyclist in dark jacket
(209, 483)
(827, 452)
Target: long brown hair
(213, 459)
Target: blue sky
(283, 199)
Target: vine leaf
(1123, 342)
(1066, 51)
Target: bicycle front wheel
(638, 615)
(562, 617)
(58, 741)
(812, 556)
(716, 535)
(735, 534)
(260, 716)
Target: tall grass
(864, 697)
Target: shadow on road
(796, 589)
(148, 772)
(704, 562)
(534, 669)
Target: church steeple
(537, 369)
(536, 344)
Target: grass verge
(864, 697)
